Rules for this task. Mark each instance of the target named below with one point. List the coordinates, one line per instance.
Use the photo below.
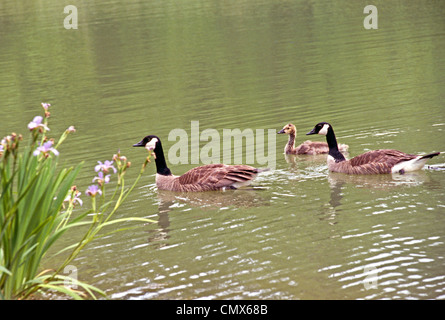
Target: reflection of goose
(296, 159)
(379, 181)
(182, 201)
(307, 147)
(203, 178)
(371, 162)
(440, 167)
(238, 198)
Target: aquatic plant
(37, 206)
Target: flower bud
(71, 129)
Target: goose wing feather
(312, 147)
(373, 162)
(218, 175)
(389, 157)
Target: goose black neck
(161, 165)
(333, 146)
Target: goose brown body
(372, 162)
(209, 177)
(308, 147)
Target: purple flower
(101, 179)
(45, 105)
(71, 129)
(46, 148)
(93, 190)
(37, 123)
(105, 166)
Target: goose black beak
(139, 144)
(281, 131)
(311, 132)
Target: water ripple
(393, 267)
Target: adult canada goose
(307, 147)
(371, 162)
(204, 178)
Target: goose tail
(429, 156)
(413, 164)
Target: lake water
(134, 68)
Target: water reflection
(383, 259)
(340, 181)
(169, 201)
(331, 209)
(294, 159)
(250, 197)
(379, 181)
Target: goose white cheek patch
(324, 130)
(151, 145)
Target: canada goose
(371, 162)
(307, 147)
(204, 178)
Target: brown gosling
(307, 147)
